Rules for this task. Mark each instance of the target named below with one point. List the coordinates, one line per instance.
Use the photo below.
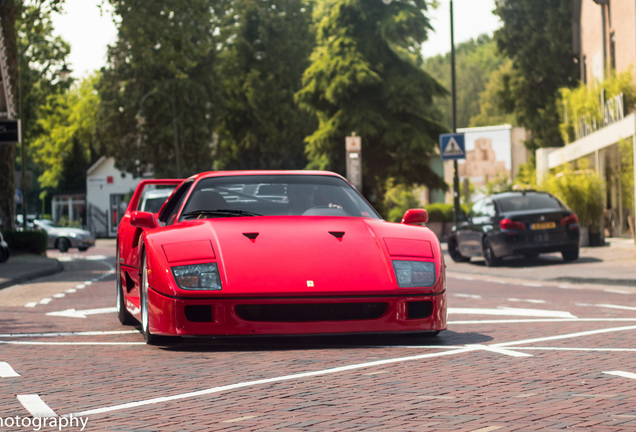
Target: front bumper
(295, 316)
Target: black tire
(531, 255)
(63, 244)
(489, 254)
(145, 317)
(453, 251)
(122, 313)
(4, 255)
(82, 249)
(570, 254)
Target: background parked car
(63, 238)
(4, 250)
(524, 223)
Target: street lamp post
(174, 122)
(454, 104)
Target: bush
(580, 190)
(439, 212)
(33, 242)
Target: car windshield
(268, 195)
(529, 202)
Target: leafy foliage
(35, 56)
(581, 190)
(475, 62)
(584, 102)
(366, 77)
(266, 48)
(67, 123)
(537, 36)
(397, 200)
(165, 54)
(492, 110)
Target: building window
(584, 70)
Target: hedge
(33, 242)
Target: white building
(108, 191)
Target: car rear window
(528, 202)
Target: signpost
(452, 146)
(353, 145)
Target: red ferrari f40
(274, 253)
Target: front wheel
(453, 251)
(63, 244)
(570, 254)
(489, 254)
(145, 316)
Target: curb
(57, 268)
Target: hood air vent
(251, 236)
(337, 234)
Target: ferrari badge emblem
(310, 284)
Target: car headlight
(414, 273)
(197, 277)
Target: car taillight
(507, 224)
(571, 221)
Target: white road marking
(36, 406)
(500, 350)
(238, 419)
(565, 336)
(532, 284)
(58, 334)
(6, 371)
(71, 291)
(526, 300)
(59, 295)
(579, 349)
(266, 381)
(617, 291)
(505, 311)
(31, 304)
(622, 374)
(46, 300)
(470, 296)
(70, 343)
(523, 321)
(611, 306)
(72, 313)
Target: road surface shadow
(540, 261)
(352, 341)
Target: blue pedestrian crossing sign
(452, 146)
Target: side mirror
(415, 216)
(141, 219)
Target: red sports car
(275, 253)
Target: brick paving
(403, 383)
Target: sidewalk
(24, 267)
(612, 264)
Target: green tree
(67, 122)
(165, 54)
(476, 60)
(34, 57)
(266, 49)
(491, 100)
(366, 76)
(537, 36)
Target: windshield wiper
(218, 212)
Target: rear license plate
(543, 225)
